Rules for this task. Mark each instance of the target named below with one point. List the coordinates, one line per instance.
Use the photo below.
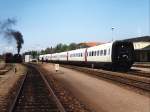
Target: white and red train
(117, 55)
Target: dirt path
(100, 95)
(7, 81)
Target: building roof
(89, 44)
(139, 39)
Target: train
(10, 58)
(116, 55)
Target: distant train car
(8, 58)
(117, 55)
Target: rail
(41, 89)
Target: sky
(45, 23)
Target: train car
(77, 57)
(17, 58)
(55, 57)
(8, 58)
(117, 55)
(62, 57)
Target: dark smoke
(7, 24)
(11, 34)
(18, 37)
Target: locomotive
(10, 58)
(116, 55)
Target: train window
(97, 53)
(81, 54)
(101, 52)
(105, 52)
(92, 53)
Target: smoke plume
(11, 34)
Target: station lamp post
(112, 29)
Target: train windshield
(123, 52)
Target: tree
(72, 46)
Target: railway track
(134, 79)
(139, 73)
(35, 95)
(142, 65)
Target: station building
(142, 48)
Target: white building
(28, 58)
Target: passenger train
(117, 55)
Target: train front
(122, 55)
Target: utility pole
(112, 29)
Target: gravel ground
(7, 82)
(70, 103)
(2, 65)
(141, 69)
(100, 95)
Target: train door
(67, 55)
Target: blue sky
(46, 23)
